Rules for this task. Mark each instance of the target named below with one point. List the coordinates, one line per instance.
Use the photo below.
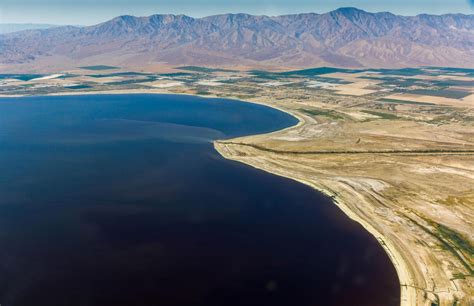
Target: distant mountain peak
(15, 27)
(350, 10)
(168, 18)
(124, 18)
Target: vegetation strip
(445, 243)
(351, 152)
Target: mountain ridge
(346, 37)
(16, 27)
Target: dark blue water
(122, 200)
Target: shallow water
(122, 200)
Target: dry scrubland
(400, 162)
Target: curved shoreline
(407, 289)
(407, 292)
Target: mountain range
(15, 27)
(346, 37)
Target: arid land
(393, 148)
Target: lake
(110, 200)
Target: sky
(86, 12)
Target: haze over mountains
(15, 27)
(346, 37)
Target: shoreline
(408, 291)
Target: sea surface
(110, 200)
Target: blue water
(122, 200)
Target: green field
(395, 101)
(22, 77)
(99, 67)
(381, 115)
(203, 69)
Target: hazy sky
(94, 11)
